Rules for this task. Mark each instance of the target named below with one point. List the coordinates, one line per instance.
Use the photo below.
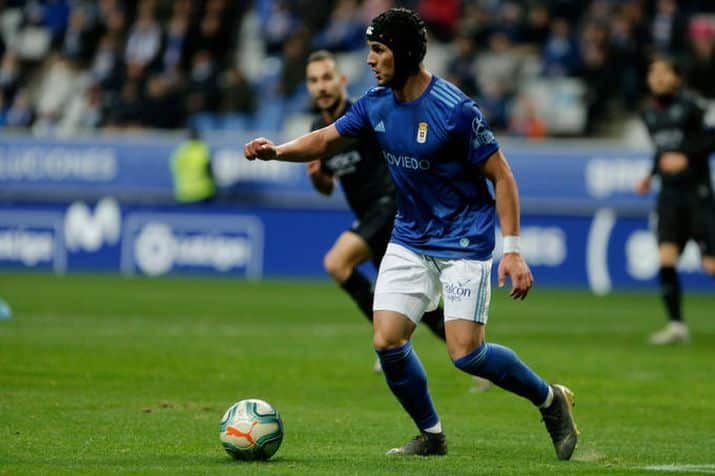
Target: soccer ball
(251, 430)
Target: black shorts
(375, 227)
(691, 219)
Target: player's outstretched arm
(512, 264)
(320, 143)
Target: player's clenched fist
(260, 148)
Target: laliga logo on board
(159, 248)
(25, 246)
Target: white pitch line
(683, 468)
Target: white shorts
(411, 284)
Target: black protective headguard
(403, 31)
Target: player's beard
(333, 107)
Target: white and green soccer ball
(251, 430)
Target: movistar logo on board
(406, 162)
(380, 127)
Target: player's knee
(383, 341)
(709, 265)
(460, 344)
(336, 267)
(668, 255)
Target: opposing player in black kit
(686, 209)
(367, 186)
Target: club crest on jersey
(422, 132)
(482, 134)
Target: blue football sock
(504, 368)
(407, 379)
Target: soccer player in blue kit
(440, 152)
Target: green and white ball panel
(251, 429)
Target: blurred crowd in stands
(549, 67)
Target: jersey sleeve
(354, 122)
(479, 139)
(701, 139)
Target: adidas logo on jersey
(380, 127)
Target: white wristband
(511, 244)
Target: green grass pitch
(105, 375)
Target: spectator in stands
(9, 76)
(560, 54)
(107, 67)
(3, 112)
(494, 103)
(112, 19)
(498, 65)
(162, 107)
(475, 23)
(460, 69)
(344, 31)
(175, 43)
(237, 94)
(525, 120)
(163, 38)
(61, 82)
(441, 17)
(83, 114)
(700, 73)
(144, 40)
(20, 113)
(78, 41)
(210, 36)
(202, 94)
(536, 29)
(295, 50)
(510, 21)
(599, 11)
(668, 28)
(52, 14)
(625, 59)
(596, 71)
(125, 110)
(278, 25)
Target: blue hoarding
(564, 179)
(107, 204)
(603, 251)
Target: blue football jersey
(433, 147)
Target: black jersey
(362, 172)
(676, 124)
